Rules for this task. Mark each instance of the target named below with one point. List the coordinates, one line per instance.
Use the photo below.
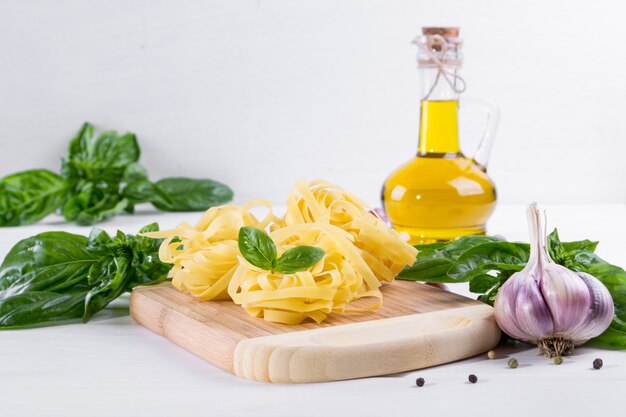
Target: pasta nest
(341, 277)
(321, 201)
(204, 256)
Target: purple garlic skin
(572, 305)
(549, 305)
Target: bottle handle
(481, 156)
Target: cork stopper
(439, 48)
(446, 32)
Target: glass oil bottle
(441, 194)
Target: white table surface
(114, 367)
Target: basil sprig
(55, 277)
(259, 249)
(487, 262)
(100, 178)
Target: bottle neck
(439, 133)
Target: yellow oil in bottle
(440, 194)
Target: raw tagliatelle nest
(205, 256)
(361, 251)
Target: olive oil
(439, 132)
(440, 194)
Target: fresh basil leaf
(94, 204)
(612, 276)
(179, 194)
(434, 260)
(584, 261)
(581, 245)
(108, 208)
(49, 261)
(431, 268)
(112, 153)
(564, 253)
(297, 259)
(152, 227)
(29, 196)
(119, 244)
(134, 172)
(459, 246)
(101, 270)
(39, 308)
(257, 247)
(432, 246)
(490, 296)
(456, 248)
(98, 239)
(110, 278)
(187, 194)
(140, 191)
(136, 262)
(611, 337)
(555, 247)
(492, 256)
(483, 283)
(146, 267)
(78, 145)
(102, 159)
(79, 202)
(82, 141)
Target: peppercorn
(472, 378)
(419, 382)
(597, 363)
(558, 360)
(491, 354)
(513, 363)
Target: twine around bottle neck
(439, 61)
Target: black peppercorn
(597, 363)
(419, 382)
(513, 363)
(472, 378)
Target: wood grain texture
(417, 326)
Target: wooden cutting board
(417, 327)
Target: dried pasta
(204, 256)
(320, 201)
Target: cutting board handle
(371, 348)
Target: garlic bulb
(549, 305)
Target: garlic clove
(504, 309)
(601, 310)
(566, 296)
(532, 313)
(518, 302)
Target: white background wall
(260, 93)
